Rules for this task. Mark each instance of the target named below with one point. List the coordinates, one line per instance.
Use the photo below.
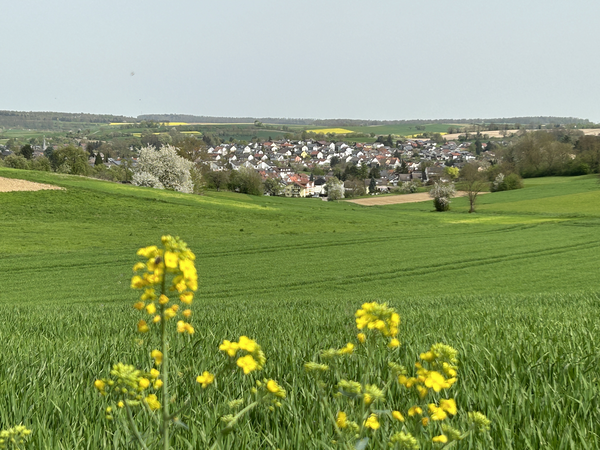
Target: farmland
(513, 287)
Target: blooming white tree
(163, 169)
(335, 189)
(441, 194)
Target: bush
(16, 162)
(441, 194)
(42, 164)
(409, 187)
(506, 183)
(147, 180)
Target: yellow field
(331, 130)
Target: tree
(245, 181)
(98, 161)
(217, 179)
(272, 186)
(334, 189)
(473, 183)
(170, 169)
(452, 172)
(27, 151)
(372, 186)
(70, 159)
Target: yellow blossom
(247, 363)
(347, 350)
(151, 308)
(274, 388)
(247, 344)
(341, 420)
(137, 282)
(181, 326)
(361, 337)
(230, 348)
(121, 404)
(100, 385)
(152, 402)
(138, 266)
(424, 421)
(422, 391)
(394, 343)
(163, 299)
(436, 413)
(139, 305)
(205, 379)
(157, 356)
(398, 416)
(441, 439)
(156, 319)
(414, 410)
(170, 313)
(157, 384)
(143, 326)
(187, 297)
(449, 406)
(437, 382)
(372, 422)
(154, 373)
(171, 260)
(144, 383)
(187, 313)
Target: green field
(514, 287)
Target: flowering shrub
(441, 194)
(146, 179)
(409, 187)
(171, 170)
(334, 189)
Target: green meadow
(514, 287)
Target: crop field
(401, 130)
(331, 130)
(515, 288)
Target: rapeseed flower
(449, 406)
(205, 379)
(143, 326)
(436, 413)
(341, 420)
(152, 402)
(380, 317)
(442, 438)
(398, 416)
(247, 364)
(157, 356)
(372, 422)
(405, 441)
(414, 410)
(275, 389)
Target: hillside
(514, 287)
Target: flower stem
(134, 428)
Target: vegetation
(525, 326)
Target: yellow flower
(437, 382)
(143, 326)
(151, 308)
(152, 402)
(274, 388)
(175, 308)
(187, 297)
(163, 299)
(189, 329)
(154, 373)
(449, 406)
(181, 326)
(170, 313)
(157, 384)
(398, 416)
(138, 266)
(148, 252)
(171, 260)
(247, 344)
(121, 404)
(347, 350)
(144, 383)
(137, 282)
(247, 363)
(441, 439)
(414, 410)
(187, 313)
(394, 343)
(422, 391)
(436, 413)
(424, 421)
(148, 294)
(230, 348)
(372, 422)
(205, 379)
(341, 421)
(156, 319)
(100, 385)
(427, 356)
(361, 337)
(139, 305)
(157, 356)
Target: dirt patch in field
(396, 199)
(12, 184)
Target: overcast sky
(377, 59)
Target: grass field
(513, 287)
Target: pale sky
(378, 59)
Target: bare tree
(474, 182)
